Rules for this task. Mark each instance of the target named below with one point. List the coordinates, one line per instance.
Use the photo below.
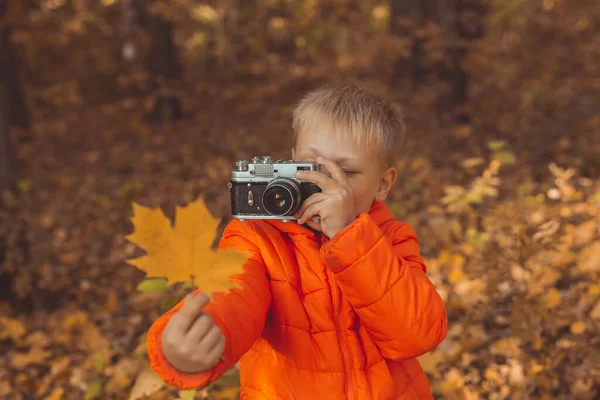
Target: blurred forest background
(105, 102)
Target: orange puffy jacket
(322, 319)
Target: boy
(336, 309)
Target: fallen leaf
(56, 394)
(470, 291)
(453, 380)
(565, 212)
(205, 13)
(552, 298)
(472, 162)
(469, 394)
(491, 373)
(187, 394)
(595, 313)
(38, 338)
(463, 131)
(553, 194)
(125, 366)
(98, 361)
(505, 157)
(95, 390)
(518, 273)
(516, 375)
(577, 328)
(429, 362)
(546, 230)
(146, 384)
(5, 388)
(536, 217)
(75, 320)
(11, 329)
(507, 346)
(80, 377)
(184, 252)
(59, 366)
(91, 339)
(536, 368)
(589, 258)
(542, 278)
(36, 355)
(496, 145)
(457, 261)
(583, 389)
(118, 383)
(227, 393)
(585, 233)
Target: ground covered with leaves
(507, 208)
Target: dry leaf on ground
(146, 384)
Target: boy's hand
(334, 205)
(191, 341)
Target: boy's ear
(385, 183)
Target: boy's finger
(192, 308)
(310, 212)
(315, 198)
(318, 178)
(216, 352)
(199, 328)
(316, 225)
(337, 173)
(210, 339)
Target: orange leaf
(577, 327)
(36, 355)
(57, 394)
(11, 329)
(184, 252)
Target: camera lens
(279, 200)
(281, 197)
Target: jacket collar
(378, 211)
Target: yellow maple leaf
(183, 252)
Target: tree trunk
(464, 22)
(148, 39)
(162, 62)
(453, 71)
(407, 16)
(14, 247)
(8, 71)
(8, 167)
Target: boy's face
(368, 180)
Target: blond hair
(368, 117)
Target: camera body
(266, 189)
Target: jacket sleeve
(384, 279)
(239, 313)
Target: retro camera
(266, 189)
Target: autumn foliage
(503, 190)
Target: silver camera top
(264, 168)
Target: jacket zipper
(345, 354)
